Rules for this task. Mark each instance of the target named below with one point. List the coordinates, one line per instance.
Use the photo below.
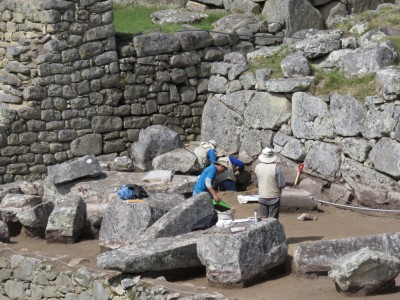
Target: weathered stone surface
(4, 233)
(171, 16)
(323, 160)
(123, 164)
(74, 169)
(315, 43)
(332, 13)
(295, 65)
(348, 114)
(289, 147)
(124, 222)
(310, 117)
(361, 62)
(19, 201)
(177, 161)
(181, 218)
(238, 101)
(364, 272)
(178, 252)
(237, 259)
(87, 144)
(267, 111)
(288, 85)
(318, 257)
(252, 143)
(192, 40)
(67, 220)
(388, 82)
(383, 154)
(35, 219)
(297, 200)
(378, 122)
(356, 148)
(153, 141)
(294, 14)
(153, 44)
(221, 124)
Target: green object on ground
(221, 205)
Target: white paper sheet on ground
(158, 176)
(243, 199)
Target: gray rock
(245, 6)
(337, 194)
(354, 171)
(177, 161)
(315, 43)
(333, 12)
(123, 222)
(181, 218)
(235, 259)
(383, 154)
(123, 164)
(378, 122)
(4, 233)
(356, 148)
(288, 85)
(74, 169)
(153, 44)
(295, 65)
(171, 16)
(323, 160)
(192, 40)
(297, 200)
(361, 62)
(87, 144)
(310, 117)
(234, 21)
(267, 111)
(289, 147)
(35, 219)
(294, 14)
(318, 257)
(332, 61)
(364, 272)
(153, 141)
(253, 142)
(178, 252)
(348, 114)
(238, 101)
(67, 220)
(19, 201)
(387, 80)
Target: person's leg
(264, 211)
(274, 210)
(227, 185)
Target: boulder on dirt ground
(153, 141)
(180, 219)
(365, 272)
(123, 222)
(236, 259)
(316, 258)
(67, 221)
(35, 219)
(86, 166)
(177, 252)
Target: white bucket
(226, 215)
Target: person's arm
(211, 155)
(236, 162)
(211, 189)
(279, 177)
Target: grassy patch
(136, 19)
(326, 83)
(272, 62)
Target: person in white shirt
(270, 184)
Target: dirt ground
(331, 223)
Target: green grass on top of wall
(136, 19)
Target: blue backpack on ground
(131, 191)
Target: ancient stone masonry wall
(28, 278)
(59, 76)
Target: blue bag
(125, 193)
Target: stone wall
(28, 278)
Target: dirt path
(331, 223)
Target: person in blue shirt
(226, 181)
(207, 177)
